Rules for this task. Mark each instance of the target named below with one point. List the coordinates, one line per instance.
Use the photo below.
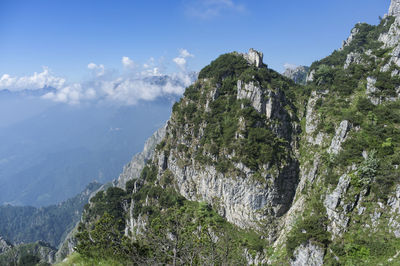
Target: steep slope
(38, 253)
(229, 141)
(345, 210)
(229, 144)
(267, 170)
(133, 169)
(49, 224)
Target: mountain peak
(254, 57)
(394, 9)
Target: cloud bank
(135, 83)
(34, 82)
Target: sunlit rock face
(394, 9)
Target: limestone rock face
(352, 58)
(68, 246)
(253, 93)
(245, 197)
(254, 57)
(339, 138)
(242, 201)
(267, 102)
(133, 169)
(353, 33)
(336, 208)
(394, 9)
(309, 254)
(4, 245)
(310, 76)
(394, 205)
(298, 74)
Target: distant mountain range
(49, 152)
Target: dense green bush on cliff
(311, 227)
(226, 65)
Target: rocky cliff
(4, 245)
(38, 253)
(297, 74)
(291, 174)
(133, 169)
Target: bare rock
(254, 57)
(133, 169)
(394, 9)
(308, 254)
(4, 245)
(339, 138)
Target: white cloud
(184, 53)
(72, 94)
(126, 88)
(181, 59)
(181, 62)
(208, 9)
(99, 70)
(34, 82)
(127, 62)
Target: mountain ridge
(270, 171)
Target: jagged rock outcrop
(297, 74)
(310, 76)
(353, 33)
(394, 209)
(339, 220)
(68, 245)
(309, 254)
(135, 166)
(394, 9)
(329, 172)
(352, 58)
(243, 202)
(42, 251)
(269, 103)
(340, 137)
(240, 198)
(254, 57)
(4, 245)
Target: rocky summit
(256, 168)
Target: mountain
(297, 74)
(48, 224)
(38, 253)
(256, 169)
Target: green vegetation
(32, 254)
(50, 224)
(311, 227)
(79, 260)
(227, 65)
(361, 247)
(177, 231)
(257, 144)
(211, 126)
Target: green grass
(76, 259)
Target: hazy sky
(73, 38)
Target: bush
(224, 66)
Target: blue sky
(67, 35)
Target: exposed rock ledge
(310, 255)
(394, 9)
(254, 57)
